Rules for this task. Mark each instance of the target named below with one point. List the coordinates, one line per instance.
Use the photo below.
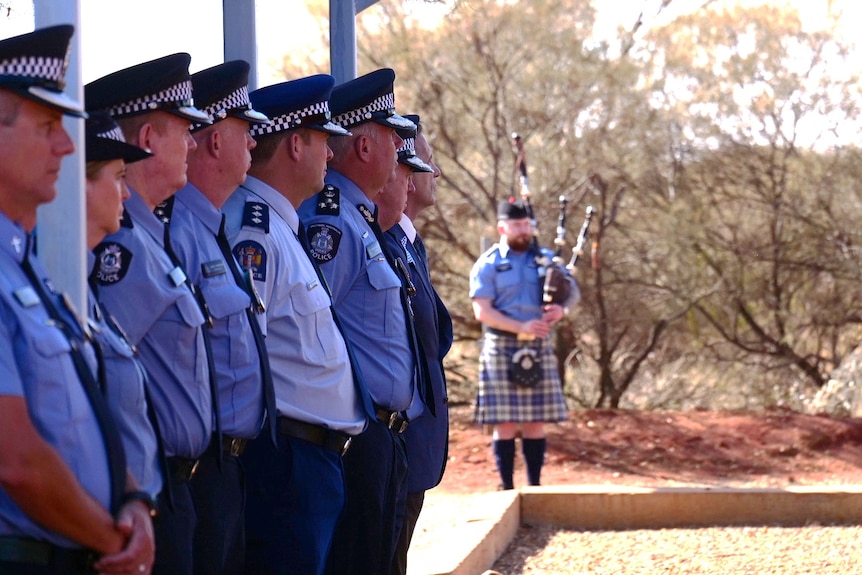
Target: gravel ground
(821, 550)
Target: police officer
(65, 495)
(507, 298)
(216, 166)
(144, 287)
(296, 491)
(121, 373)
(427, 438)
(347, 243)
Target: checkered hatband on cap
(317, 112)
(384, 103)
(47, 71)
(115, 134)
(177, 95)
(408, 148)
(236, 100)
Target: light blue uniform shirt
(311, 370)
(510, 280)
(149, 299)
(36, 364)
(365, 293)
(124, 391)
(194, 225)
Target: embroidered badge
(213, 268)
(256, 215)
(329, 200)
(324, 240)
(112, 262)
(164, 210)
(252, 257)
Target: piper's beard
(518, 243)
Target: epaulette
(164, 210)
(126, 220)
(328, 201)
(256, 215)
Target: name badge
(373, 250)
(213, 268)
(27, 296)
(177, 276)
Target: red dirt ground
(776, 448)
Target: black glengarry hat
(161, 84)
(34, 66)
(105, 141)
(512, 210)
(369, 98)
(407, 151)
(302, 103)
(222, 92)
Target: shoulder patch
(126, 220)
(252, 257)
(329, 201)
(323, 241)
(256, 215)
(164, 210)
(112, 262)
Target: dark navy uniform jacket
(427, 437)
(151, 301)
(36, 364)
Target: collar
(274, 199)
(143, 216)
(408, 227)
(200, 207)
(13, 239)
(349, 190)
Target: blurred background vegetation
(720, 150)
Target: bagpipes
(556, 278)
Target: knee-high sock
(504, 453)
(534, 457)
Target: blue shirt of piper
(149, 298)
(195, 222)
(124, 382)
(365, 290)
(35, 364)
(510, 280)
(311, 371)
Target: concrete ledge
(489, 524)
(602, 507)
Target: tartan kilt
(501, 401)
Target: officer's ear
(293, 144)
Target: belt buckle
(346, 446)
(234, 447)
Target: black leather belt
(331, 439)
(394, 420)
(59, 559)
(233, 446)
(496, 331)
(182, 468)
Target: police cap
(407, 151)
(302, 103)
(369, 98)
(34, 66)
(222, 92)
(160, 84)
(105, 141)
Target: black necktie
(75, 335)
(422, 378)
(245, 283)
(358, 382)
(206, 336)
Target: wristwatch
(143, 497)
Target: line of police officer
(241, 354)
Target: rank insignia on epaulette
(165, 210)
(366, 213)
(329, 201)
(323, 241)
(252, 257)
(256, 215)
(112, 262)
